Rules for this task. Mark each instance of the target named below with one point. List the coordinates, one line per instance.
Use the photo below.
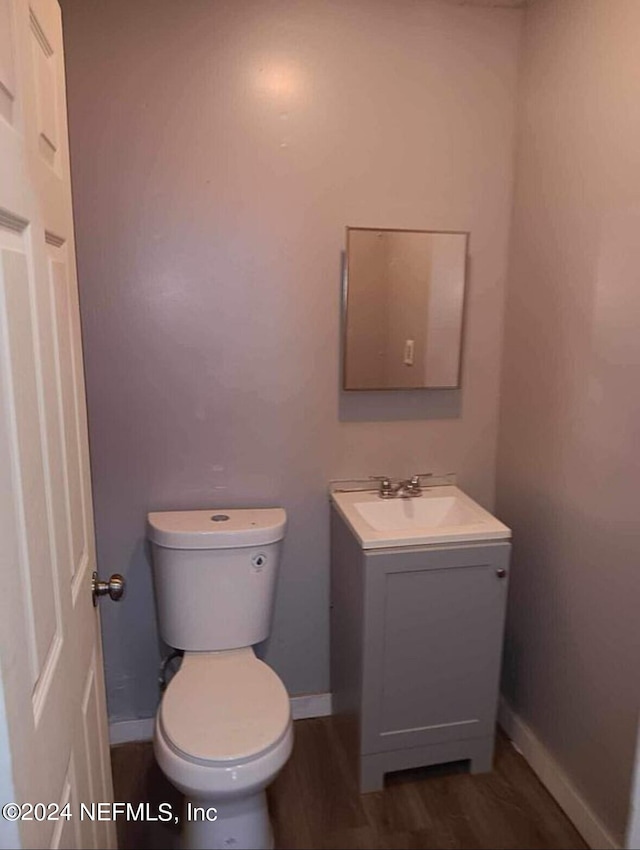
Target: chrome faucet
(407, 488)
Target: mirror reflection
(404, 309)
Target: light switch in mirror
(403, 309)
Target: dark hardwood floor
(315, 803)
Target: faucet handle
(386, 490)
(415, 479)
(415, 488)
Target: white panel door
(53, 715)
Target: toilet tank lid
(217, 528)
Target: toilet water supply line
(162, 677)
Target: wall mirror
(403, 308)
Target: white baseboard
(555, 779)
(310, 705)
(304, 706)
(125, 731)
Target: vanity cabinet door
(432, 649)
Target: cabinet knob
(501, 573)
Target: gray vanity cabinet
(416, 644)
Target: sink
(441, 515)
(399, 514)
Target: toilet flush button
(259, 562)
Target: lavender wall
(219, 149)
(569, 465)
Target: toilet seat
(224, 708)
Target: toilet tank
(215, 575)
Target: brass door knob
(114, 587)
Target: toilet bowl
(223, 732)
(223, 729)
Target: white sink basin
(399, 514)
(440, 515)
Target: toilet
(223, 729)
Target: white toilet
(223, 730)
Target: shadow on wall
(136, 636)
(391, 405)
(394, 405)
